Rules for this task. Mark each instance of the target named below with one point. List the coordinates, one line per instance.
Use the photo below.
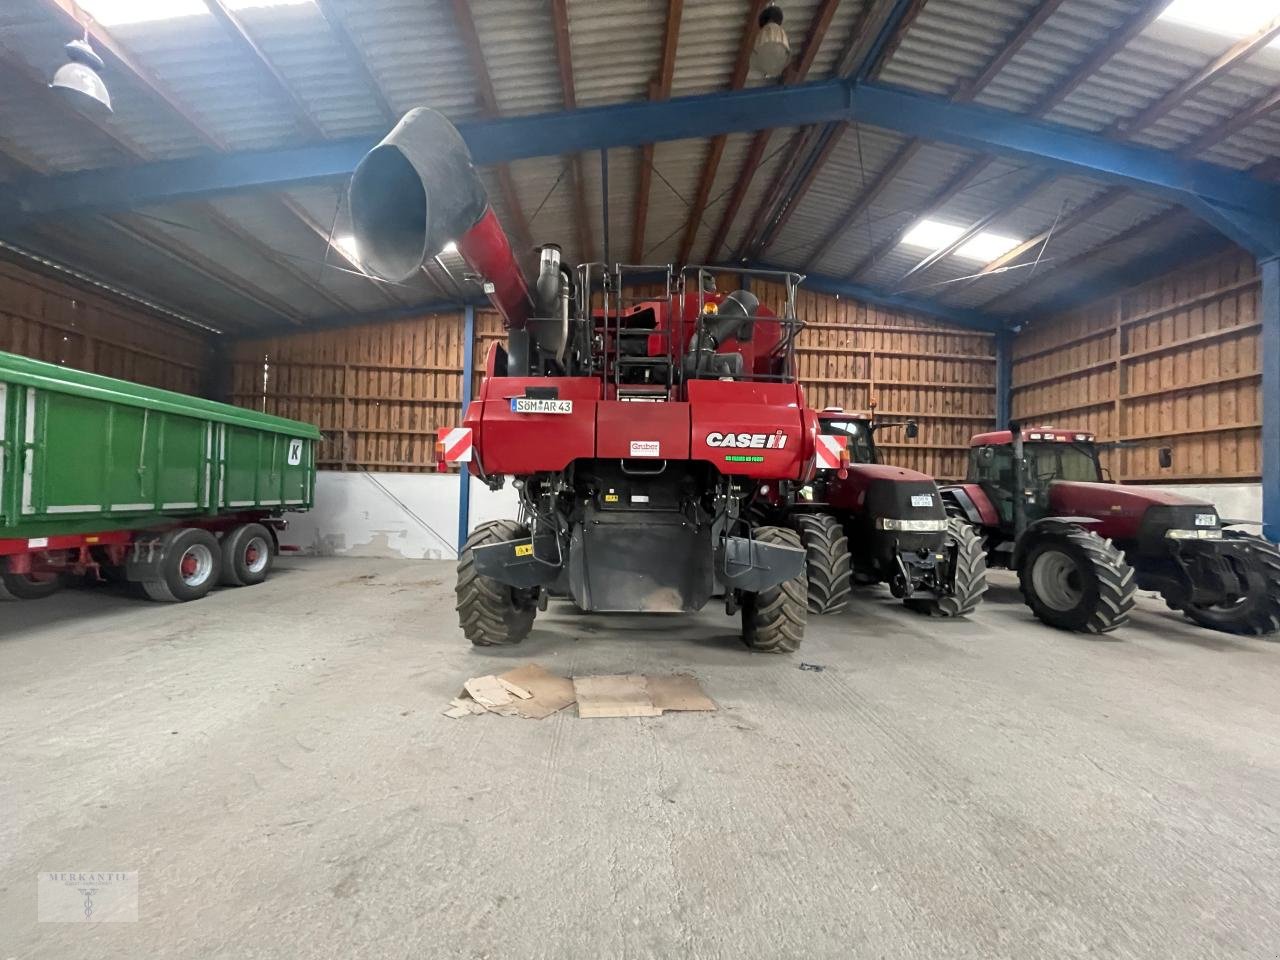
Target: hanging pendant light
(78, 81)
(772, 50)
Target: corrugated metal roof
(415, 53)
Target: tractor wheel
(1075, 580)
(492, 614)
(970, 575)
(773, 620)
(1258, 613)
(828, 564)
(28, 586)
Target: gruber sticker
(646, 448)
(752, 441)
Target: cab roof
(999, 438)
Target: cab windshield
(860, 446)
(1061, 461)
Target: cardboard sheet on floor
(633, 695)
(548, 693)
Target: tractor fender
(1045, 525)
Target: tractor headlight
(911, 526)
(806, 492)
(1193, 534)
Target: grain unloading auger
(637, 432)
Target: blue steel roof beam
(633, 124)
(1131, 27)
(964, 94)
(861, 61)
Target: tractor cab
(1049, 455)
(859, 431)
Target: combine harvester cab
(637, 432)
(112, 480)
(1082, 547)
(864, 522)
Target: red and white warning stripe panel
(455, 444)
(830, 449)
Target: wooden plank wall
(379, 392)
(54, 321)
(944, 377)
(1173, 362)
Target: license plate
(1206, 520)
(533, 405)
(922, 499)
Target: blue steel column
(468, 374)
(1004, 378)
(1271, 398)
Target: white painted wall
(1235, 501)
(415, 515)
(408, 515)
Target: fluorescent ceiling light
(986, 247)
(931, 234)
(114, 13)
(1228, 18)
(934, 235)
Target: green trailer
(106, 478)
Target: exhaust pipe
(418, 190)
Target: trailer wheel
(492, 614)
(827, 562)
(28, 586)
(1258, 613)
(773, 620)
(970, 580)
(190, 565)
(1073, 579)
(247, 555)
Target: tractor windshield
(861, 448)
(1061, 461)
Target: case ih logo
(748, 441)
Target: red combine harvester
(863, 521)
(1082, 547)
(637, 434)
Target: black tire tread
(970, 574)
(13, 587)
(773, 620)
(1117, 583)
(485, 610)
(828, 565)
(1260, 618)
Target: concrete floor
(274, 763)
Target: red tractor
(1082, 547)
(862, 521)
(636, 433)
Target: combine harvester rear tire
(1073, 579)
(828, 563)
(970, 575)
(773, 620)
(492, 614)
(1258, 614)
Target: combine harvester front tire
(492, 614)
(773, 620)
